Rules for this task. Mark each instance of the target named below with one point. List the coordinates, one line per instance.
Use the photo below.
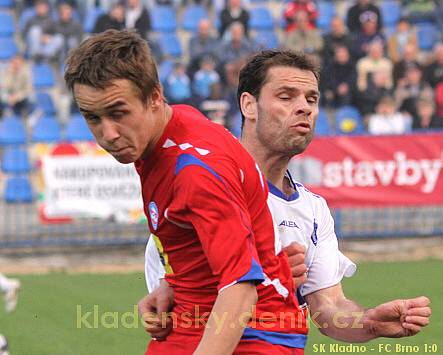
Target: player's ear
(156, 99)
(248, 106)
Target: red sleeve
(212, 201)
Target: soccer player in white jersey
(278, 97)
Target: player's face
(287, 110)
(119, 121)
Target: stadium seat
(322, 126)
(327, 11)
(170, 45)
(163, 19)
(261, 19)
(427, 35)
(77, 130)
(7, 27)
(12, 131)
(391, 12)
(46, 130)
(8, 48)
(348, 120)
(18, 189)
(15, 161)
(42, 76)
(7, 3)
(90, 18)
(267, 39)
(192, 16)
(44, 102)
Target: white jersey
(305, 218)
(302, 217)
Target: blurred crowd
(395, 85)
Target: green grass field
(47, 321)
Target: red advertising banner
(374, 170)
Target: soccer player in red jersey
(205, 199)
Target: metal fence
(21, 227)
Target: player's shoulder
(307, 194)
(197, 130)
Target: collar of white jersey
(276, 192)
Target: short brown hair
(112, 55)
(254, 74)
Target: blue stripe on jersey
(255, 273)
(276, 192)
(185, 160)
(284, 339)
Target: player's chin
(124, 159)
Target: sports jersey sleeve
(154, 270)
(329, 265)
(210, 199)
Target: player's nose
(109, 130)
(302, 106)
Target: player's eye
(92, 118)
(312, 99)
(117, 114)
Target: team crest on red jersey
(153, 213)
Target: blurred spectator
(42, 40)
(420, 10)
(413, 88)
(16, 87)
(304, 38)
(114, 19)
(234, 12)
(373, 62)
(362, 39)
(338, 37)
(156, 50)
(294, 7)
(379, 86)
(233, 54)
(203, 43)
(205, 78)
(216, 107)
(387, 120)
(439, 100)
(409, 58)
(425, 117)
(359, 13)
(137, 17)
(178, 85)
(404, 35)
(338, 79)
(434, 71)
(237, 47)
(70, 29)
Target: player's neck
(272, 165)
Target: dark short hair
(112, 55)
(254, 73)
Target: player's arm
(154, 269)
(211, 200)
(154, 306)
(230, 313)
(345, 320)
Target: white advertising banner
(90, 186)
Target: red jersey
(206, 203)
